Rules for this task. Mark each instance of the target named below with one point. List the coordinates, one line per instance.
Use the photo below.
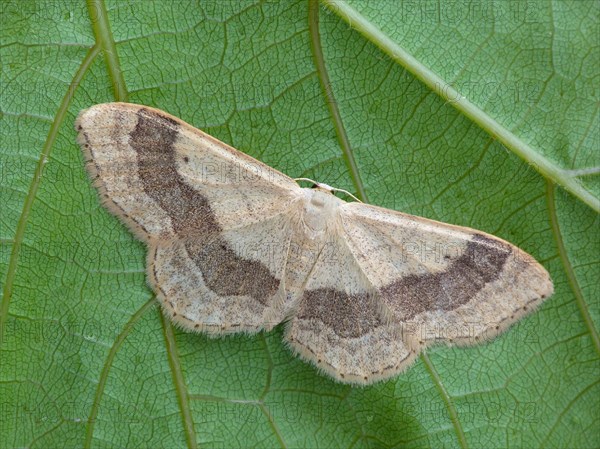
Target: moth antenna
(307, 180)
(347, 193)
(327, 187)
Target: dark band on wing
(356, 315)
(224, 272)
(349, 316)
(481, 263)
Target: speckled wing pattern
(234, 245)
(401, 283)
(209, 214)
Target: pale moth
(236, 246)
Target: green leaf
(366, 100)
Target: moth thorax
(320, 208)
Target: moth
(236, 246)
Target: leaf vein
(340, 130)
(35, 183)
(179, 382)
(106, 368)
(564, 257)
(549, 169)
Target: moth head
(323, 187)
